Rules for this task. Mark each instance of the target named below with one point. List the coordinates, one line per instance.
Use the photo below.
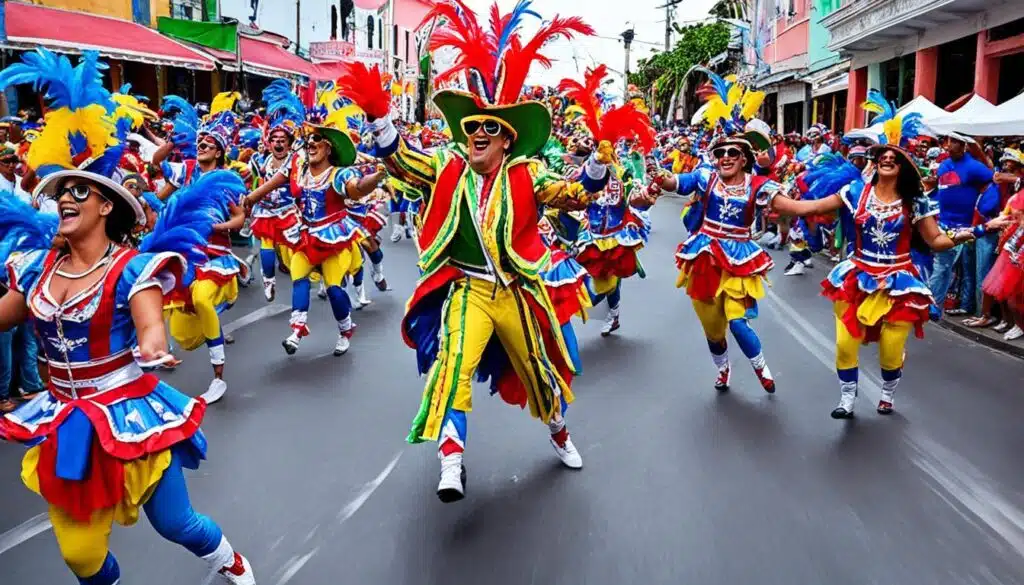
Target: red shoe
(724, 376)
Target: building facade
(900, 46)
(785, 59)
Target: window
(187, 9)
(394, 39)
(369, 32)
(334, 23)
(380, 37)
(347, 19)
(406, 46)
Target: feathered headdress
(621, 122)
(496, 61)
(285, 111)
(224, 102)
(728, 103)
(897, 130)
(186, 124)
(80, 137)
(129, 110)
(221, 127)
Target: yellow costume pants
(283, 252)
(334, 269)
(476, 309)
(892, 343)
(192, 329)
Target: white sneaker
(1013, 334)
(452, 486)
(1003, 326)
(268, 288)
(239, 573)
(796, 269)
(321, 293)
(291, 343)
(360, 296)
(808, 263)
(845, 407)
(410, 232)
(216, 391)
(611, 323)
(568, 454)
(342, 345)
(396, 232)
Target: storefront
(136, 54)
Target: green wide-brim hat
(531, 120)
(343, 151)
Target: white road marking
(254, 316)
(294, 565)
(26, 530)
(367, 491)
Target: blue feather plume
(886, 109)
(185, 224)
(65, 86)
(720, 84)
(828, 174)
(513, 23)
(182, 110)
(23, 227)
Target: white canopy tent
(975, 108)
(1003, 120)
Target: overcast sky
(609, 18)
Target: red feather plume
(365, 87)
(519, 57)
(477, 49)
(585, 95)
(626, 122)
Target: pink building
(786, 53)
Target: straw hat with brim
(876, 151)
(739, 141)
(530, 120)
(343, 151)
(115, 193)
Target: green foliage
(666, 71)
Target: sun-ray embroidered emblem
(882, 238)
(730, 211)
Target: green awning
(215, 35)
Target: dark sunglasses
(727, 153)
(9, 161)
(79, 193)
(314, 139)
(206, 146)
(491, 128)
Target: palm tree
(729, 9)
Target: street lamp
(627, 39)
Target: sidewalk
(986, 336)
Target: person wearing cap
(481, 253)
(107, 439)
(10, 182)
(877, 292)
(962, 178)
(992, 202)
(194, 318)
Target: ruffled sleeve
(342, 177)
(162, 269)
(767, 192)
(22, 270)
(925, 207)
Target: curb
(995, 343)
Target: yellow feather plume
(716, 110)
(751, 103)
(339, 118)
(224, 102)
(128, 106)
(53, 146)
(327, 96)
(872, 107)
(893, 130)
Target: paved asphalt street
(309, 475)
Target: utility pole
(669, 5)
(627, 39)
(298, 26)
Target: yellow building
(141, 11)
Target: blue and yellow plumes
(129, 107)
(828, 174)
(877, 104)
(186, 222)
(728, 102)
(284, 109)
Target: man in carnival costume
(722, 269)
(194, 318)
(275, 219)
(481, 305)
(615, 230)
(107, 438)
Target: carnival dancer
(481, 305)
(721, 268)
(615, 232)
(322, 181)
(107, 438)
(275, 219)
(194, 318)
(369, 214)
(878, 293)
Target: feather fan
(828, 174)
(366, 88)
(24, 228)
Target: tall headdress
(732, 106)
(221, 123)
(618, 122)
(285, 111)
(897, 129)
(80, 138)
